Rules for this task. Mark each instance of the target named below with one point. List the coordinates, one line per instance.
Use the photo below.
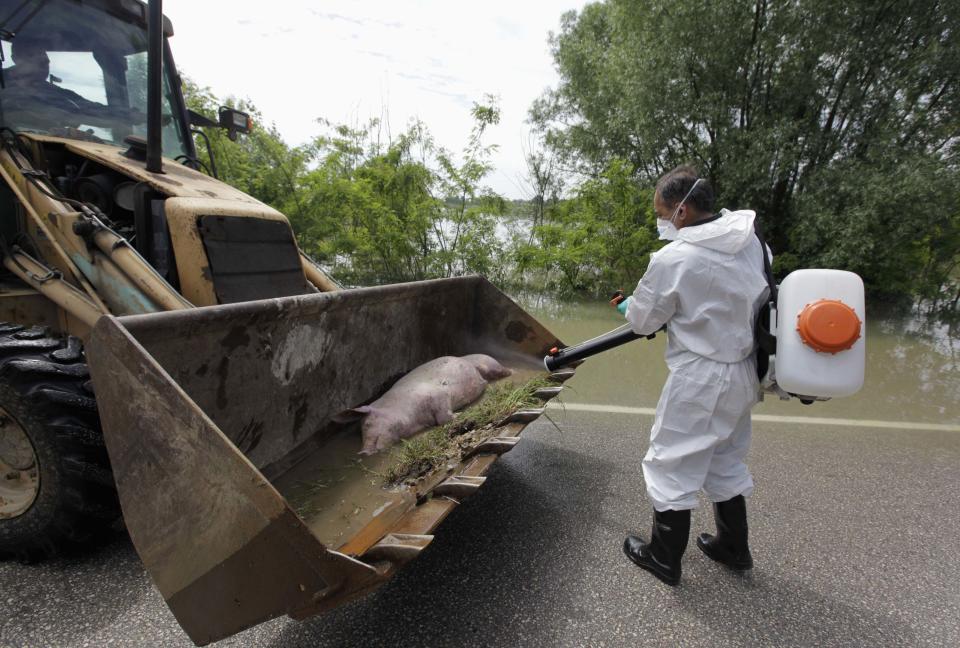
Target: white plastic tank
(820, 333)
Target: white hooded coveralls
(707, 286)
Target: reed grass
(436, 446)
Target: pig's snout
(370, 445)
(375, 439)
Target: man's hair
(674, 185)
(26, 45)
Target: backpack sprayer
(810, 336)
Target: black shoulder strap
(766, 342)
(767, 270)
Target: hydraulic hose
(51, 284)
(559, 358)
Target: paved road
(854, 534)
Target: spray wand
(558, 358)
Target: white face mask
(668, 231)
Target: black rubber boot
(729, 547)
(668, 540)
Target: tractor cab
(79, 71)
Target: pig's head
(380, 429)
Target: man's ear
(682, 215)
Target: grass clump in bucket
(437, 445)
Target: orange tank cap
(828, 326)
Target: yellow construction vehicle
(170, 356)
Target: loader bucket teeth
(562, 375)
(498, 445)
(240, 483)
(459, 486)
(524, 416)
(548, 393)
(398, 547)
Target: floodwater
(912, 369)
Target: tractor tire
(63, 495)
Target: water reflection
(912, 367)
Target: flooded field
(912, 368)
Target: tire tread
(50, 377)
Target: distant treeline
(839, 125)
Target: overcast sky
(349, 61)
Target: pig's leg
(440, 407)
(487, 366)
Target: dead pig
(425, 397)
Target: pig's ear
(351, 415)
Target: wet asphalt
(853, 531)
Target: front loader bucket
(241, 487)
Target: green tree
(894, 222)
(466, 232)
(596, 241)
(773, 101)
(372, 210)
(402, 210)
(259, 164)
(370, 207)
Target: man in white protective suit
(707, 286)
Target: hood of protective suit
(730, 233)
